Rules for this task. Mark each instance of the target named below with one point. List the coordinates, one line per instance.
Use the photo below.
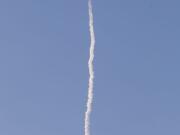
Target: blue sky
(44, 74)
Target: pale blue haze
(44, 75)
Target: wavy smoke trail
(91, 71)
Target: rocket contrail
(91, 70)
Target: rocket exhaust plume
(91, 71)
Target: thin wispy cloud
(91, 71)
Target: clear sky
(44, 75)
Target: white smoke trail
(91, 70)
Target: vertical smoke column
(91, 71)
